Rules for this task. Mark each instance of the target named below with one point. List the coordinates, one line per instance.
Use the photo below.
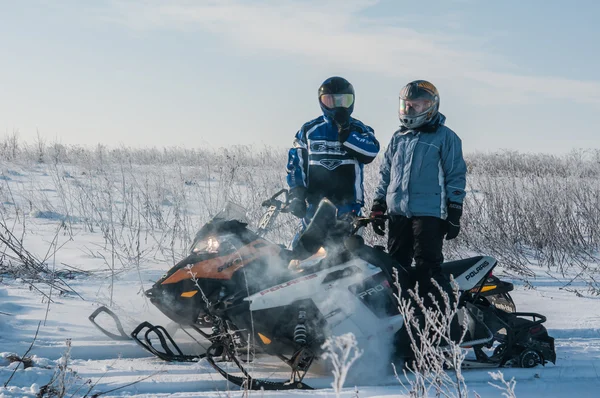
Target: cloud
(338, 33)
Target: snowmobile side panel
(307, 286)
(502, 301)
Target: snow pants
(418, 238)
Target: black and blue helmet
(336, 98)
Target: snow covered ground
(36, 210)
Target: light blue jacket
(422, 171)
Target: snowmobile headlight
(222, 244)
(208, 245)
(212, 245)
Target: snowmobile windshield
(217, 243)
(232, 212)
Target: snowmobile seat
(455, 268)
(356, 245)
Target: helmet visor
(337, 100)
(414, 107)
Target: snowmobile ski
(122, 336)
(166, 342)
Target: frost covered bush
(65, 379)
(437, 354)
(342, 351)
(507, 387)
(534, 209)
(524, 209)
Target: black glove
(297, 203)
(377, 211)
(453, 220)
(343, 133)
(342, 121)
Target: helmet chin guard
(341, 116)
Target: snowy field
(108, 231)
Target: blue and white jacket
(329, 168)
(422, 171)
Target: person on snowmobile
(328, 155)
(422, 185)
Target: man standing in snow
(422, 184)
(328, 155)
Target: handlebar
(273, 201)
(360, 222)
(281, 205)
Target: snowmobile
(185, 293)
(238, 284)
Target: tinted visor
(414, 107)
(337, 100)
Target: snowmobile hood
(223, 267)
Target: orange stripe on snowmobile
(224, 267)
(189, 294)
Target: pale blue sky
(511, 74)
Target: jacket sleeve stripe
(296, 166)
(301, 167)
(299, 144)
(361, 150)
(442, 182)
(358, 186)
